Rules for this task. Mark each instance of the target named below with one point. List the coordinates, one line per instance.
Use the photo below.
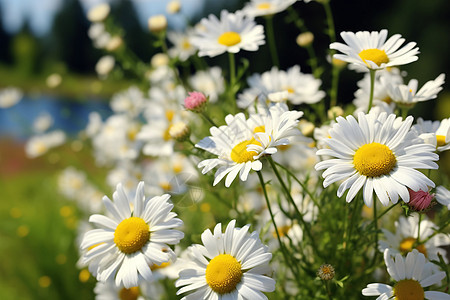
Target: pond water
(68, 115)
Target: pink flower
(420, 200)
(195, 102)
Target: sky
(40, 12)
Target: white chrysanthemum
(378, 153)
(230, 265)
(381, 97)
(370, 50)
(229, 143)
(40, 144)
(210, 82)
(443, 196)
(99, 12)
(105, 65)
(130, 240)
(411, 276)
(42, 122)
(130, 101)
(296, 87)
(182, 46)
(231, 33)
(405, 238)
(436, 133)
(10, 96)
(408, 95)
(256, 8)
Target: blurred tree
(136, 38)
(69, 42)
(5, 40)
(24, 50)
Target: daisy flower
(404, 239)
(370, 50)
(408, 95)
(10, 96)
(436, 133)
(182, 46)
(147, 290)
(40, 144)
(130, 240)
(411, 276)
(298, 87)
(443, 196)
(378, 153)
(231, 33)
(230, 265)
(256, 8)
(210, 82)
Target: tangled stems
(282, 247)
(289, 197)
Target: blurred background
(46, 53)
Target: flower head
(129, 240)
(229, 265)
(196, 101)
(370, 50)
(420, 200)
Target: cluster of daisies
(156, 135)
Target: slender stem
(372, 88)
(334, 86)
(404, 112)
(232, 91)
(283, 250)
(208, 119)
(271, 41)
(327, 288)
(289, 197)
(382, 214)
(418, 228)
(330, 21)
(375, 219)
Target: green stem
(208, 119)
(231, 91)
(271, 41)
(334, 86)
(327, 288)
(382, 214)
(330, 21)
(283, 249)
(418, 229)
(404, 112)
(289, 197)
(372, 88)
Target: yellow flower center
(261, 128)
(229, 38)
(406, 245)
(186, 45)
(289, 89)
(170, 114)
(129, 294)
(408, 289)
(131, 235)
(161, 266)
(263, 6)
(165, 185)
(374, 159)
(240, 154)
(376, 55)
(282, 231)
(440, 140)
(223, 273)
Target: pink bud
(195, 101)
(419, 200)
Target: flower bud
(305, 39)
(99, 12)
(179, 131)
(195, 102)
(53, 80)
(114, 43)
(334, 112)
(173, 7)
(159, 60)
(326, 272)
(105, 65)
(157, 23)
(306, 127)
(420, 200)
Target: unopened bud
(53, 80)
(334, 112)
(326, 272)
(420, 200)
(173, 7)
(99, 12)
(159, 60)
(179, 131)
(114, 43)
(306, 127)
(195, 102)
(305, 39)
(157, 23)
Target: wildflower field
(210, 176)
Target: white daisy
(230, 265)
(40, 144)
(436, 133)
(443, 196)
(210, 82)
(296, 86)
(130, 240)
(256, 8)
(370, 50)
(405, 238)
(130, 101)
(109, 291)
(411, 276)
(233, 32)
(229, 143)
(10, 96)
(377, 153)
(182, 46)
(408, 95)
